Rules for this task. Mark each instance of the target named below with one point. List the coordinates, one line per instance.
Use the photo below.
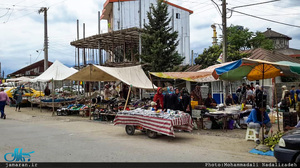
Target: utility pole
(140, 35)
(78, 55)
(224, 29)
(84, 59)
(99, 42)
(44, 9)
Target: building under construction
(121, 43)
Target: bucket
(230, 124)
(207, 124)
(193, 104)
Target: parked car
(288, 148)
(27, 92)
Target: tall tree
(159, 42)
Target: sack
(195, 127)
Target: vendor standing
(196, 95)
(107, 93)
(170, 99)
(159, 99)
(210, 102)
(186, 101)
(255, 120)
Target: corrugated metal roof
(271, 56)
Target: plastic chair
(250, 135)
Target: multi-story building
(124, 14)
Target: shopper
(3, 100)
(47, 91)
(196, 95)
(18, 96)
(159, 99)
(292, 97)
(285, 99)
(255, 120)
(298, 101)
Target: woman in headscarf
(159, 99)
(169, 99)
(177, 100)
(186, 101)
(196, 95)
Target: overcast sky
(22, 28)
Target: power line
(9, 16)
(265, 19)
(5, 13)
(217, 7)
(255, 4)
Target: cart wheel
(130, 129)
(151, 134)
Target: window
(177, 15)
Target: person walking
(18, 96)
(3, 100)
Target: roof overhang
(110, 39)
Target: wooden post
(90, 98)
(275, 90)
(127, 97)
(52, 95)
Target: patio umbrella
(255, 70)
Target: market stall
(133, 76)
(56, 72)
(152, 122)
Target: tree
(209, 56)
(158, 41)
(239, 39)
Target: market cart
(153, 123)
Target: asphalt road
(65, 140)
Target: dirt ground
(224, 140)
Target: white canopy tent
(20, 79)
(57, 72)
(134, 75)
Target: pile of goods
(273, 140)
(71, 109)
(170, 114)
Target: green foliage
(260, 41)
(159, 42)
(239, 38)
(209, 56)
